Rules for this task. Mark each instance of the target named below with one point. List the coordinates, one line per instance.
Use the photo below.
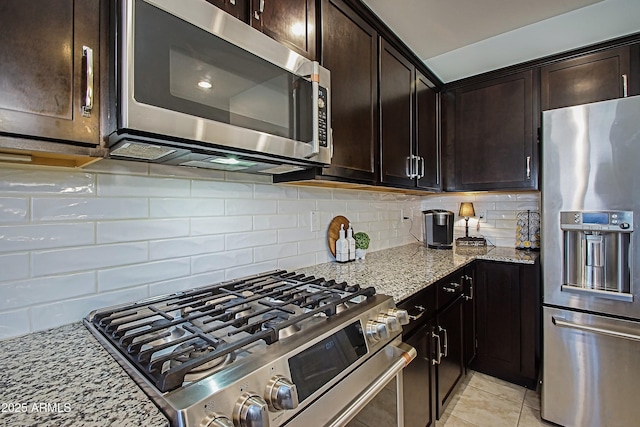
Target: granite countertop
(64, 377)
(403, 271)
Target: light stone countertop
(403, 271)
(73, 381)
(64, 377)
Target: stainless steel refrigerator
(591, 264)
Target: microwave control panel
(323, 127)
(597, 220)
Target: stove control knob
(400, 314)
(391, 322)
(251, 411)
(220, 421)
(281, 394)
(377, 331)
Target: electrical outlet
(482, 215)
(315, 221)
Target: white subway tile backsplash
(185, 283)
(118, 231)
(271, 252)
(129, 231)
(502, 214)
(223, 190)
(14, 238)
(220, 225)
(262, 191)
(14, 266)
(295, 206)
(250, 207)
(51, 262)
(63, 312)
(28, 292)
(14, 323)
(221, 260)
(296, 235)
(142, 274)
(13, 209)
(141, 186)
(184, 207)
(271, 222)
(251, 239)
(185, 246)
(298, 261)
(236, 272)
(37, 181)
(87, 208)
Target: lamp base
(471, 241)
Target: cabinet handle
(87, 56)
(260, 10)
(446, 341)
(421, 160)
(438, 358)
(625, 87)
(528, 167)
(421, 309)
(451, 287)
(409, 166)
(470, 296)
(233, 2)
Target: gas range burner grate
(171, 337)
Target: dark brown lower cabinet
(418, 379)
(507, 321)
(450, 370)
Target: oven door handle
(405, 355)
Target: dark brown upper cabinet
(350, 52)
(590, 78)
(397, 76)
(291, 22)
(427, 141)
(49, 63)
(495, 136)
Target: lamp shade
(466, 209)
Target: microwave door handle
(315, 87)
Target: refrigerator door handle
(562, 323)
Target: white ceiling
(461, 38)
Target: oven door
(192, 72)
(371, 395)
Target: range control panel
(597, 220)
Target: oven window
(183, 68)
(317, 365)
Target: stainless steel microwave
(197, 87)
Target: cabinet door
(589, 78)
(498, 318)
(427, 141)
(451, 368)
(418, 381)
(350, 52)
(44, 84)
(396, 107)
(291, 22)
(494, 134)
(237, 8)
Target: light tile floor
(484, 401)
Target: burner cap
(198, 348)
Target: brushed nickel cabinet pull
(87, 56)
(528, 167)
(438, 358)
(625, 86)
(260, 10)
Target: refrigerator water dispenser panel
(597, 253)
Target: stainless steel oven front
(192, 74)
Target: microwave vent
(142, 151)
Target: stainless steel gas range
(266, 350)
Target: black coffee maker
(438, 228)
